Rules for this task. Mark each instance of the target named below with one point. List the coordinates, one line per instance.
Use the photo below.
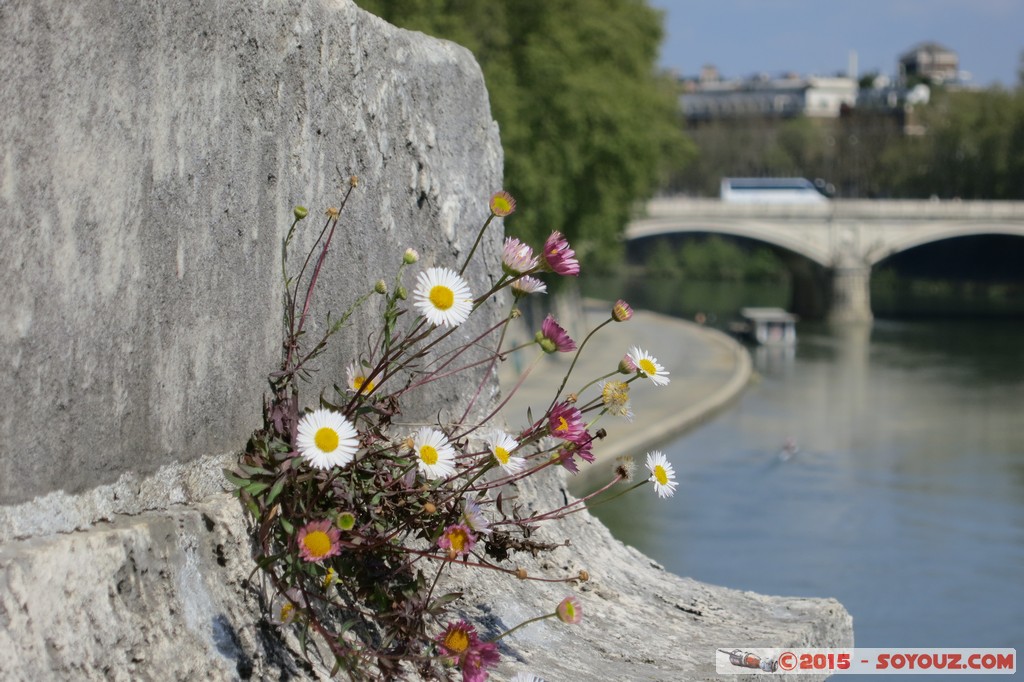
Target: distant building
(763, 97)
(931, 62)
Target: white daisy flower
(501, 446)
(662, 475)
(435, 455)
(526, 284)
(326, 439)
(357, 381)
(473, 516)
(648, 366)
(443, 297)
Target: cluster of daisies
(453, 460)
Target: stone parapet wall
(151, 157)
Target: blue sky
(743, 37)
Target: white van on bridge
(771, 191)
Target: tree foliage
(588, 125)
(973, 148)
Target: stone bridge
(846, 237)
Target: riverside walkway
(707, 368)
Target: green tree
(588, 125)
(973, 148)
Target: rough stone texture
(152, 155)
(151, 158)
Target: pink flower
(458, 539)
(552, 337)
(460, 641)
(319, 540)
(569, 611)
(474, 663)
(583, 446)
(516, 257)
(627, 366)
(566, 422)
(559, 257)
(621, 311)
(502, 204)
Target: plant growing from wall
(357, 515)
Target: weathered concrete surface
(151, 156)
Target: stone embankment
(151, 157)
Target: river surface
(902, 495)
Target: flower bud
(584, 576)
(402, 293)
(332, 213)
(546, 344)
(346, 520)
(381, 287)
(300, 212)
(521, 573)
(621, 311)
(410, 256)
(429, 507)
(353, 181)
(627, 366)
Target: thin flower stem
(619, 494)
(576, 357)
(479, 235)
(523, 624)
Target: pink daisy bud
(552, 338)
(559, 257)
(627, 366)
(569, 611)
(502, 204)
(621, 311)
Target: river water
(901, 494)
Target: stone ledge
(123, 600)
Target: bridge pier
(851, 294)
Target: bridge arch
(758, 231)
(847, 237)
(937, 232)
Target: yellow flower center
(287, 612)
(428, 454)
(660, 475)
(647, 367)
(442, 297)
(318, 543)
(360, 384)
(615, 394)
(326, 439)
(456, 641)
(570, 611)
(500, 205)
(562, 425)
(501, 454)
(457, 540)
(330, 577)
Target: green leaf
(437, 606)
(276, 490)
(287, 525)
(256, 487)
(235, 479)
